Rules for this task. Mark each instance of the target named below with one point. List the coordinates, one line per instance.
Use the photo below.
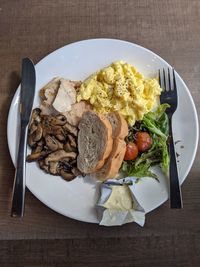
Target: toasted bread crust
(114, 161)
(124, 127)
(120, 127)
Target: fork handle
(175, 192)
(19, 180)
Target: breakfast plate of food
(97, 117)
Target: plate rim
(16, 94)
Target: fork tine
(174, 79)
(164, 80)
(169, 80)
(159, 77)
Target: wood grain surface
(45, 238)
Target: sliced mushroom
(64, 164)
(47, 137)
(46, 121)
(37, 156)
(32, 128)
(65, 160)
(67, 175)
(60, 145)
(30, 141)
(39, 146)
(75, 171)
(59, 155)
(52, 143)
(47, 131)
(72, 140)
(35, 117)
(43, 166)
(58, 120)
(73, 162)
(53, 167)
(68, 148)
(37, 135)
(71, 129)
(58, 132)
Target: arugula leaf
(140, 171)
(152, 127)
(156, 115)
(157, 124)
(164, 124)
(165, 157)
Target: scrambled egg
(120, 87)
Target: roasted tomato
(131, 151)
(143, 141)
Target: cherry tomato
(131, 151)
(143, 141)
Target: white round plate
(77, 199)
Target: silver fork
(169, 95)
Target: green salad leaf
(157, 125)
(140, 171)
(157, 122)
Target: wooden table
(45, 238)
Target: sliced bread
(114, 161)
(94, 141)
(119, 125)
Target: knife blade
(27, 93)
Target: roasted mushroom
(59, 133)
(58, 120)
(75, 171)
(38, 147)
(32, 128)
(71, 129)
(34, 132)
(72, 140)
(53, 167)
(35, 117)
(54, 144)
(31, 142)
(59, 155)
(68, 176)
(37, 134)
(43, 166)
(68, 148)
(73, 162)
(37, 156)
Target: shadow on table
(7, 170)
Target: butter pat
(120, 198)
(118, 205)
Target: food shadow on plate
(89, 179)
(14, 81)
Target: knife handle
(175, 191)
(20, 177)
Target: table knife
(26, 102)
